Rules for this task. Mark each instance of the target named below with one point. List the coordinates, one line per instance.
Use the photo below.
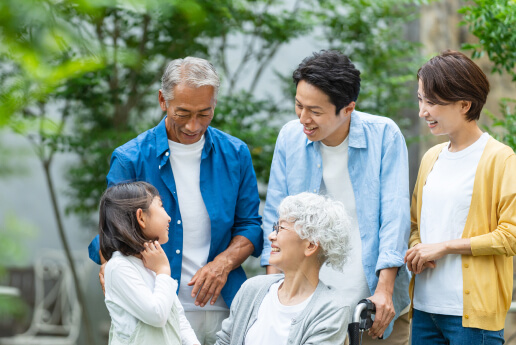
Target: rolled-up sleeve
(395, 205)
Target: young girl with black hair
(140, 294)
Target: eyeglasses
(278, 228)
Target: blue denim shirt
(228, 188)
(378, 169)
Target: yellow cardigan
(491, 225)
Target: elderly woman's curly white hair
(320, 220)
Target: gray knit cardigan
(323, 321)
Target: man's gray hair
(320, 220)
(194, 72)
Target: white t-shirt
(186, 167)
(351, 280)
(445, 207)
(135, 293)
(272, 325)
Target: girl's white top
(134, 293)
(446, 201)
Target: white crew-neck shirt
(272, 325)
(445, 206)
(186, 167)
(351, 279)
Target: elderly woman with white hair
(295, 308)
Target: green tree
(493, 23)
(371, 33)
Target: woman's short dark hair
(119, 229)
(333, 73)
(451, 77)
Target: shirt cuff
(93, 250)
(389, 259)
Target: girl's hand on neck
(155, 259)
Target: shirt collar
(357, 138)
(356, 134)
(162, 140)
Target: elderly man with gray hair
(208, 187)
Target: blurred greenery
(493, 23)
(13, 232)
(81, 76)
(372, 33)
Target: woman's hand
(155, 259)
(423, 256)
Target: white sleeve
(128, 289)
(188, 336)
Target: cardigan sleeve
(502, 240)
(414, 209)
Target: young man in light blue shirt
(361, 160)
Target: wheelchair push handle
(362, 321)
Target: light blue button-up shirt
(378, 169)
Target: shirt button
(166, 153)
(466, 265)
(466, 292)
(466, 316)
(159, 167)
(315, 190)
(318, 165)
(178, 222)
(178, 251)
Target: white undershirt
(272, 325)
(351, 279)
(135, 293)
(445, 207)
(186, 167)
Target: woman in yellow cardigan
(463, 213)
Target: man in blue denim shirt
(208, 187)
(361, 160)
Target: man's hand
(101, 272)
(210, 279)
(382, 300)
(101, 277)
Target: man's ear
(348, 109)
(140, 217)
(162, 102)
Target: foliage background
(80, 77)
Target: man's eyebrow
(189, 111)
(309, 106)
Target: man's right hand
(272, 270)
(101, 277)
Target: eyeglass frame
(276, 228)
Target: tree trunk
(64, 241)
